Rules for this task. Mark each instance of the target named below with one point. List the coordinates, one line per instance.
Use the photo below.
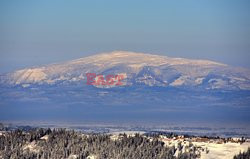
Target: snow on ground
(180, 81)
(29, 75)
(45, 137)
(72, 156)
(208, 148)
(115, 135)
(222, 151)
(217, 83)
(91, 157)
(32, 147)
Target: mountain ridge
(139, 68)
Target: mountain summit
(138, 69)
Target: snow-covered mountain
(138, 69)
(155, 87)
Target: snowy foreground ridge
(139, 69)
(130, 145)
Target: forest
(61, 143)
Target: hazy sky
(34, 32)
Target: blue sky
(34, 32)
